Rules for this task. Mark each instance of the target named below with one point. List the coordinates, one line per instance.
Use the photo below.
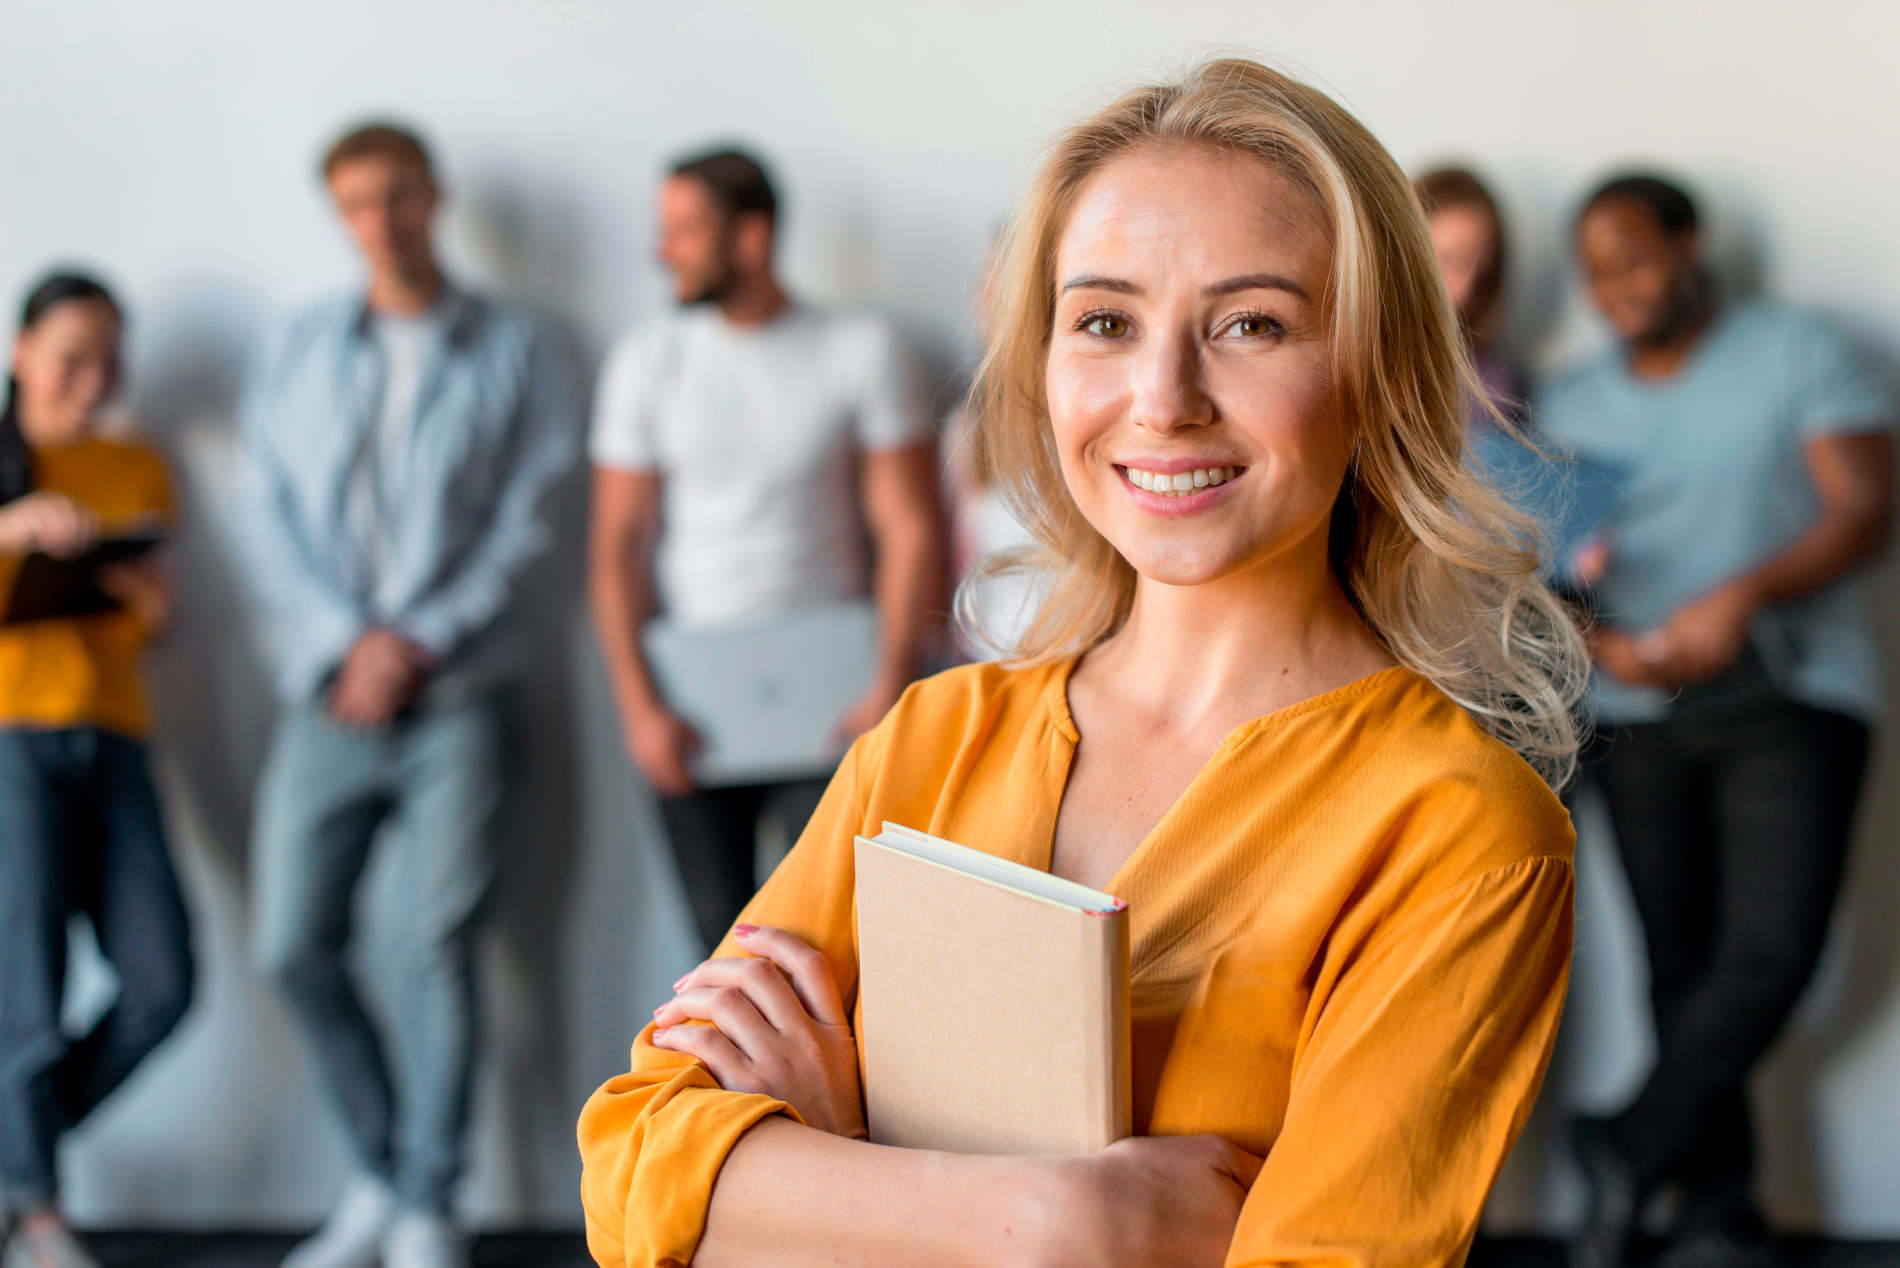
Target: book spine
(1108, 1044)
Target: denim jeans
(436, 779)
(80, 833)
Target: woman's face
(1465, 240)
(67, 365)
(1189, 376)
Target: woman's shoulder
(944, 727)
(1455, 797)
(978, 694)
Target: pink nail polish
(742, 930)
(681, 982)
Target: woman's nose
(1167, 391)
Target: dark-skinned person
(1737, 685)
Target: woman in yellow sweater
(1295, 693)
(80, 827)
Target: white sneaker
(55, 1247)
(422, 1239)
(354, 1231)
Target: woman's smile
(1181, 486)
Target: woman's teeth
(1181, 482)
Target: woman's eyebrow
(1244, 282)
(1257, 282)
(1096, 282)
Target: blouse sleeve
(653, 1140)
(1419, 1070)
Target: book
(995, 1002)
(45, 588)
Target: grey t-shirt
(1716, 480)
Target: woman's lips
(1182, 491)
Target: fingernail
(682, 981)
(742, 930)
(659, 1010)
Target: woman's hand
(49, 522)
(1158, 1200)
(144, 586)
(778, 1027)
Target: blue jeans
(437, 779)
(80, 832)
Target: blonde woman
(1290, 696)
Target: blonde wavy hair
(1441, 567)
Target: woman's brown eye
(1251, 326)
(1112, 327)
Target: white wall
(171, 145)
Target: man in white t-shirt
(751, 455)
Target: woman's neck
(41, 434)
(1220, 653)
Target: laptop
(765, 696)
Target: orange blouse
(84, 671)
(1350, 939)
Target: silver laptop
(764, 697)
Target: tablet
(47, 589)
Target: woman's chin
(1170, 569)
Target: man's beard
(715, 289)
(1689, 305)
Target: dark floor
(1806, 1253)
(179, 1250)
(266, 1250)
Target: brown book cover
(995, 1002)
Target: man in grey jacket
(403, 440)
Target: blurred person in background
(404, 437)
(752, 455)
(1469, 243)
(1737, 685)
(1471, 246)
(81, 829)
